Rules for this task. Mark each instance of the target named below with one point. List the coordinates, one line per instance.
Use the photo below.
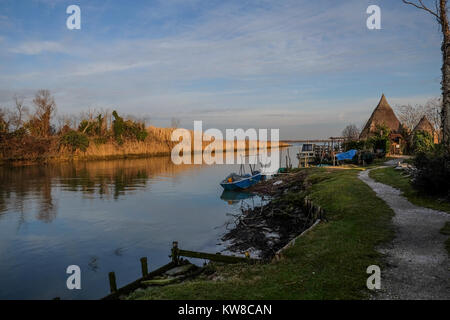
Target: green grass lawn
(397, 179)
(329, 262)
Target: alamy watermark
(74, 280)
(374, 280)
(240, 145)
(374, 20)
(74, 20)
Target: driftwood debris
(269, 227)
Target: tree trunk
(445, 75)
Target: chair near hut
(384, 115)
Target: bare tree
(45, 108)
(351, 132)
(4, 125)
(21, 110)
(65, 121)
(433, 109)
(440, 13)
(410, 115)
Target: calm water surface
(103, 216)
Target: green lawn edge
(397, 179)
(330, 262)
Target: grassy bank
(398, 180)
(327, 263)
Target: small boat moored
(236, 181)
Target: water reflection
(234, 197)
(104, 216)
(96, 179)
(18, 185)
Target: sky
(306, 67)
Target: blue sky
(306, 67)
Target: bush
(75, 140)
(127, 129)
(18, 145)
(355, 144)
(380, 143)
(433, 172)
(92, 127)
(367, 157)
(380, 140)
(422, 142)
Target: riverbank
(284, 212)
(329, 262)
(157, 143)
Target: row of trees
(37, 123)
(26, 133)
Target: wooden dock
(329, 140)
(175, 255)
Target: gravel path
(418, 266)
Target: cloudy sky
(305, 67)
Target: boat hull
(242, 184)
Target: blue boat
(235, 181)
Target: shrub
(367, 157)
(380, 140)
(433, 172)
(75, 140)
(127, 129)
(422, 142)
(355, 144)
(92, 127)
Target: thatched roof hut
(383, 114)
(425, 125)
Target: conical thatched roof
(424, 125)
(383, 114)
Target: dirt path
(418, 266)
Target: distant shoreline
(158, 144)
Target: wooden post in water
(144, 266)
(112, 282)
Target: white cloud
(277, 58)
(37, 47)
(104, 67)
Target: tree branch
(423, 7)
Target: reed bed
(157, 143)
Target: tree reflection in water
(31, 189)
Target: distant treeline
(38, 134)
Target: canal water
(103, 216)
